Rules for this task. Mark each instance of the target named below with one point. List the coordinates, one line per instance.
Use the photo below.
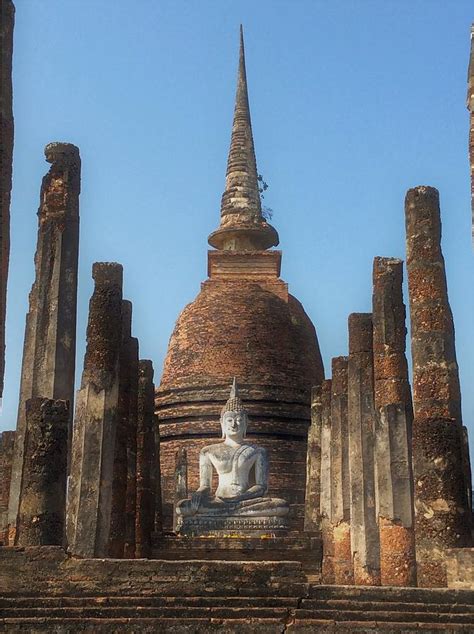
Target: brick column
(340, 481)
(96, 416)
(131, 494)
(7, 443)
(7, 20)
(180, 481)
(441, 514)
(364, 530)
(49, 352)
(118, 518)
(393, 427)
(43, 490)
(313, 465)
(146, 460)
(325, 504)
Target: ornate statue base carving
(199, 525)
(239, 504)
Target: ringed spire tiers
(242, 226)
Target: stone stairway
(44, 590)
(322, 609)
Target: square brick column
(364, 530)
(393, 427)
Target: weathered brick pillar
(118, 518)
(7, 20)
(340, 481)
(49, 352)
(470, 107)
(325, 503)
(364, 530)
(180, 481)
(42, 507)
(96, 419)
(7, 443)
(146, 460)
(393, 427)
(131, 495)
(156, 478)
(441, 513)
(312, 520)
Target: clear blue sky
(352, 102)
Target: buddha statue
(240, 498)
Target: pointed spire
(242, 227)
(234, 390)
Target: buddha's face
(234, 425)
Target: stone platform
(44, 590)
(302, 547)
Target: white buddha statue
(242, 469)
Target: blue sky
(352, 102)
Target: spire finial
(470, 75)
(242, 227)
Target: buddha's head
(234, 417)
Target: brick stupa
(243, 324)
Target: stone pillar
(442, 517)
(156, 478)
(118, 518)
(393, 427)
(49, 352)
(43, 491)
(131, 494)
(466, 463)
(325, 502)
(7, 20)
(340, 482)
(364, 530)
(95, 423)
(180, 481)
(470, 107)
(7, 442)
(313, 465)
(146, 460)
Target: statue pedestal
(198, 525)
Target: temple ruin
(250, 490)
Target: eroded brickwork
(340, 480)
(442, 518)
(470, 107)
(49, 352)
(147, 461)
(7, 19)
(364, 530)
(325, 503)
(7, 442)
(42, 507)
(313, 465)
(393, 427)
(96, 416)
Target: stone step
(391, 593)
(225, 612)
(312, 626)
(128, 612)
(153, 602)
(223, 626)
(385, 616)
(393, 606)
(143, 626)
